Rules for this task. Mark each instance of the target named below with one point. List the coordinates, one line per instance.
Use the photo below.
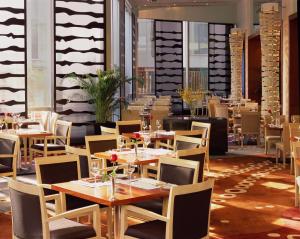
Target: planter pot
(108, 124)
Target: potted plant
(102, 91)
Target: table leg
(25, 150)
(117, 222)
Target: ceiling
(173, 3)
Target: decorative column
(270, 25)
(236, 39)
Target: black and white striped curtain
(79, 49)
(219, 59)
(169, 60)
(13, 74)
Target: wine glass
(158, 125)
(130, 170)
(1, 125)
(145, 125)
(121, 142)
(95, 169)
(147, 140)
(20, 122)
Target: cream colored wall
(216, 14)
(289, 8)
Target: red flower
(114, 158)
(136, 136)
(269, 111)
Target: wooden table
(24, 135)
(124, 195)
(155, 137)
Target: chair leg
(296, 195)
(292, 166)
(266, 146)
(109, 223)
(276, 154)
(283, 158)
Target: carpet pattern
(253, 199)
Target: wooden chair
(53, 121)
(294, 132)
(185, 211)
(174, 171)
(198, 155)
(161, 108)
(53, 145)
(250, 125)
(100, 143)
(9, 151)
(284, 146)
(253, 106)
(43, 117)
(295, 118)
(205, 137)
(296, 155)
(83, 160)
(30, 218)
(158, 115)
(221, 111)
(130, 114)
(129, 126)
(106, 130)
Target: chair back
(197, 155)
(295, 118)
(53, 119)
(189, 210)
(42, 117)
(177, 171)
(186, 142)
(128, 126)
(83, 160)
(63, 128)
(212, 109)
(26, 210)
(161, 108)
(294, 130)
(250, 122)
(107, 131)
(100, 143)
(57, 169)
(221, 111)
(130, 114)
(253, 106)
(203, 126)
(9, 145)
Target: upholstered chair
(9, 150)
(30, 218)
(187, 216)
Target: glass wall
(39, 54)
(145, 57)
(198, 55)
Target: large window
(39, 57)
(128, 49)
(198, 55)
(145, 56)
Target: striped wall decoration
(13, 73)
(134, 51)
(219, 59)
(79, 49)
(169, 60)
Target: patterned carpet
(253, 199)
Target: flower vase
(112, 187)
(192, 110)
(136, 150)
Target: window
(145, 56)
(39, 54)
(128, 50)
(198, 55)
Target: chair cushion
(5, 169)
(50, 147)
(67, 229)
(155, 205)
(298, 180)
(149, 230)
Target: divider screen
(79, 49)
(219, 59)
(169, 60)
(13, 73)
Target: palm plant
(102, 91)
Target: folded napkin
(90, 183)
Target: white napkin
(91, 184)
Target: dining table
(26, 135)
(144, 156)
(124, 193)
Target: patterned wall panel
(79, 48)
(13, 56)
(219, 59)
(169, 60)
(134, 50)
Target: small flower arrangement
(190, 97)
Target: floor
(253, 198)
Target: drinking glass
(130, 170)
(1, 125)
(95, 169)
(121, 142)
(144, 125)
(147, 140)
(158, 125)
